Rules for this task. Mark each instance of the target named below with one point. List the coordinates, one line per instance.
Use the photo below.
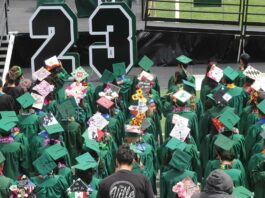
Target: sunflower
(139, 91)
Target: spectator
(7, 102)
(124, 183)
(218, 185)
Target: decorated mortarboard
(78, 186)
(119, 69)
(86, 157)
(79, 74)
(184, 60)
(43, 88)
(11, 116)
(133, 129)
(98, 121)
(39, 101)
(230, 73)
(47, 120)
(221, 97)
(44, 164)
(182, 96)
(107, 76)
(55, 128)
(229, 119)
(41, 74)
(92, 144)
(180, 132)
(215, 73)
(67, 108)
(2, 157)
(242, 192)
(76, 90)
(252, 73)
(187, 186)
(140, 148)
(144, 75)
(92, 132)
(104, 102)
(180, 160)
(145, 124)
(52, 63)
(146, 63)
(175, 143)
(224, 142)
(56, 151)
(261, 106)
(26, 100)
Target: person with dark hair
(7, 102)
(244, 63)
(124, 183)
(218, 185)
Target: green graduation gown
(240, 80)
(73, 140)
(52, 186)
(170, 178)
(238, 100)
(66, 172)
(247, 118)
(216, 164)
(15, 163)
(29, 125)
(5, 183)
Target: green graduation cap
(229, 119)
(210, 97)
(2, 157)
(180, 160)
(261, 106)
(44, 164)
(119, 69)
(224, 142)
(86, 157)
(6, 126)
(242, 192)
(189, 87)
(175, 143)
(184, 59)
(146, 63)
(26, 100)
(55, 128)
(67, 108)
(56, 151)
(107, 76)
(85, 166)
(11, 116)
(92, 144)
(230, 73)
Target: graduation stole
(230, 86)
(226, 165)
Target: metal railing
(3, 20)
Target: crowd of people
(63, 136)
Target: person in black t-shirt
(7, 102)
(124, 183)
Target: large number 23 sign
(57, 25)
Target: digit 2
(57, 26)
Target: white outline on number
(51, 33)
(106, 46)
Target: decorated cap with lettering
(79, 74)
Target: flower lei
(179, 109)
(6, 139)
(230, 86)
(48, 141)
(218, 125)
(15, 132)
(138, 119)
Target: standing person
(124, 183)
(218, 185)
(244, 62)
(7, 102)
(5, 182)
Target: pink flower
(180, 190)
